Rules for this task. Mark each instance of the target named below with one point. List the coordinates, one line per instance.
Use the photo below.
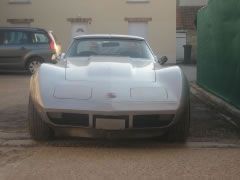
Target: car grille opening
(152, 121)
(69, 119)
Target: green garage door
(219, 49)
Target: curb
(216, 102)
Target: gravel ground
(123, 163)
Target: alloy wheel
(33, 66)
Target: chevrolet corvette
(109, 86)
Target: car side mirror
(162, 60)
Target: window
(1, 37)
(40, 38)
(16, 37)
(110, 47)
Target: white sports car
(109, 86)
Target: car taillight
(52, 45)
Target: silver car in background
(26, 48)
(109, 86)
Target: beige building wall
(108, 16)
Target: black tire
(180, 131)
(33, 63)
(38, 129)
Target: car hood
(113, 69)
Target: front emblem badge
(111, 95)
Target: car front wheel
(33, 64)
(38, 129)
(180, 131)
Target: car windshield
(133, 48)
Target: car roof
(109, 36)
(22, 28)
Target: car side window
(16, 37)
(40, 38)
(1, 38)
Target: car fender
(176, 83)
(42, 83)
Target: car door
(16, 44)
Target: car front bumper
(136, 124)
